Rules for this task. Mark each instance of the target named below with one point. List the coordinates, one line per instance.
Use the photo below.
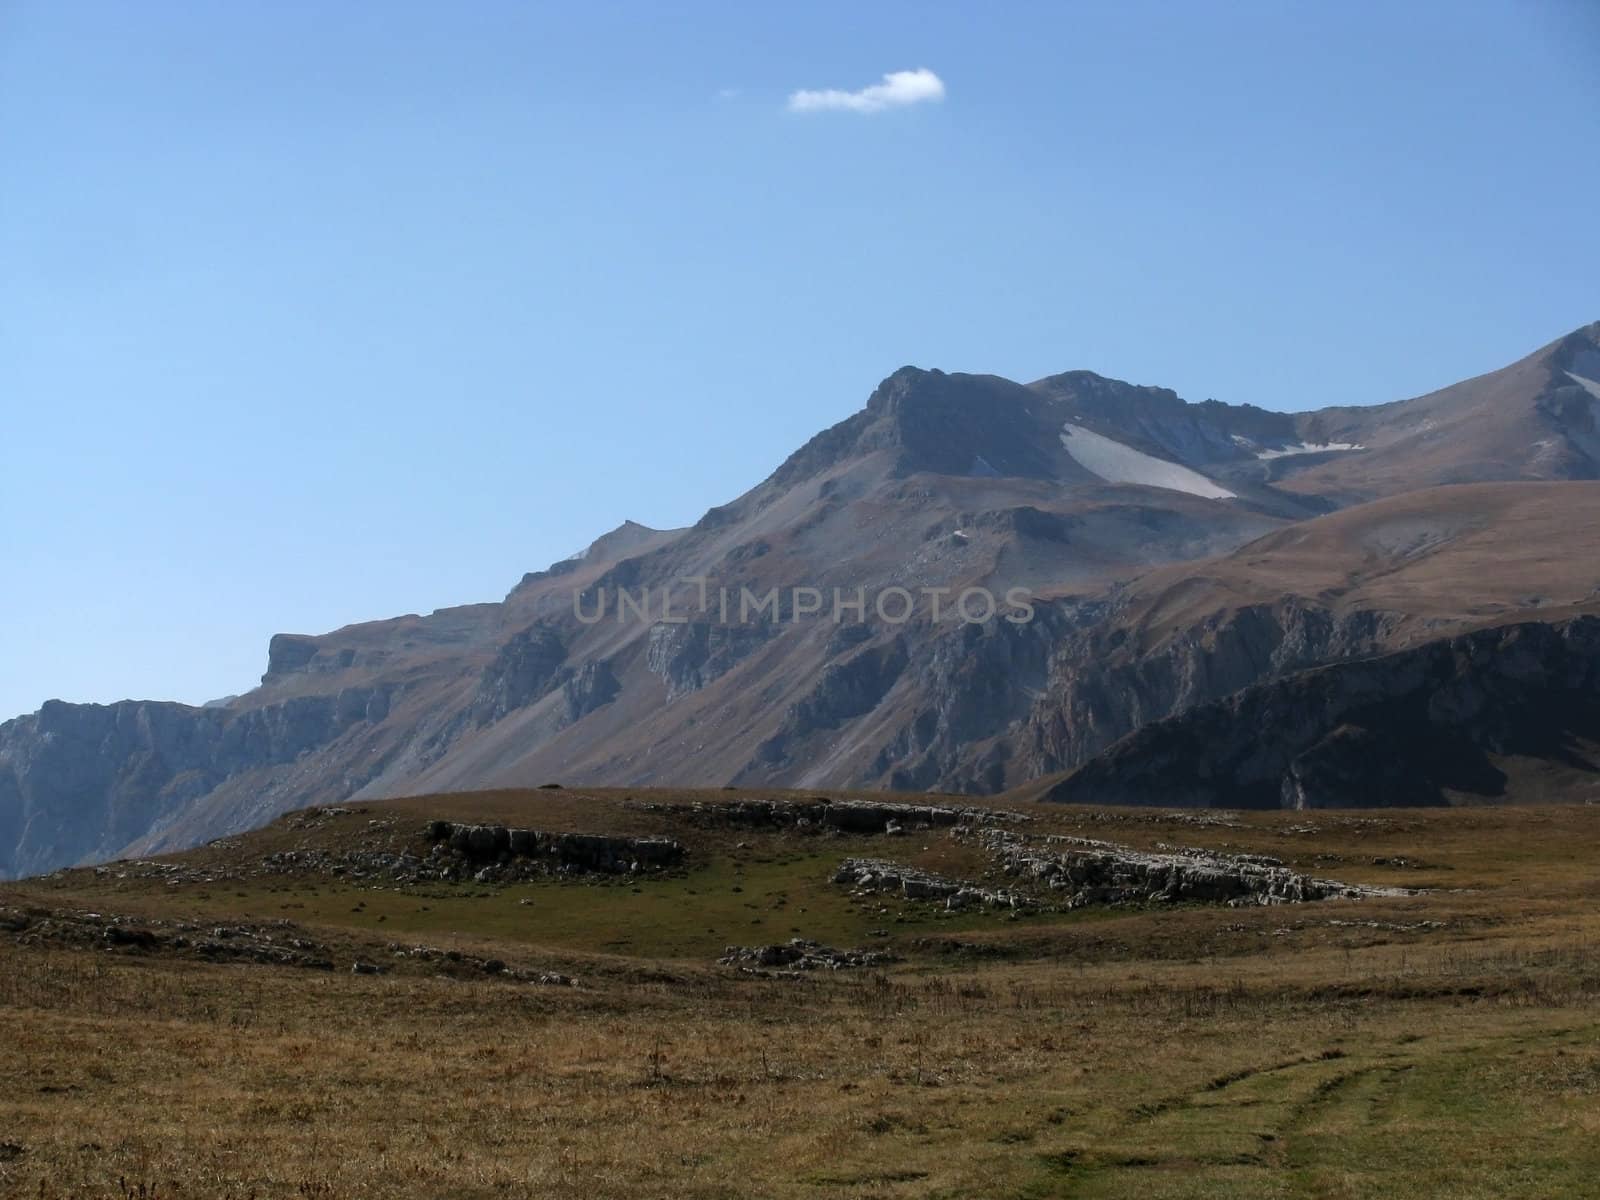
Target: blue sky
(316, 313)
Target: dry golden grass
(1197, 1053)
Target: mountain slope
(1510, 712)
(1356, 583)
(1537, 419)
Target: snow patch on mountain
(1587, 385)
(1308, 448)
(1117, 463)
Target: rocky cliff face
(694, 654)
(526, 667)
(1421, 726)
(82, 781)
(973, 685)
(1103, 684)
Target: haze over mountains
(1177, 554)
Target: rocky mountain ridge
(1455, 717)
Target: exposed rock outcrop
(275, 943)
(689, 655)
(798, 954)
(81, 781)
(532, 665)
(526, 667)
(591, 686)
(975, 682)
(501, 854)
(1102, 686)
(1096, 873)
(846, 688)
(876, 875)
(845, 816)
(288, 652)
(456, 853)
(1411, 727)
(458, 965)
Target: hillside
(1361, 582)
(1506, 713)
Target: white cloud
(898, 89)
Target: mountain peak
(629, 537)
(944, 423)
(1578, 354)
(898, 387)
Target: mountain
(1168, 554)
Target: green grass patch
(747, 900)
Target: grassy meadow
(1445, 1043)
